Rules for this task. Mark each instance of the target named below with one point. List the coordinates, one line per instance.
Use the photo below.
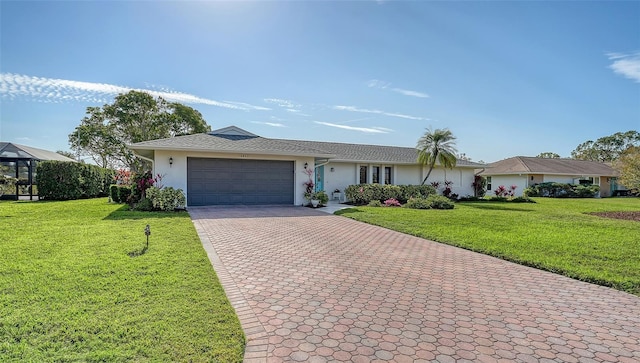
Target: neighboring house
(523, 172)
(233, 166)
(20, 162)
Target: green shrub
(439, 202)
(320, 196)
(522, 200)
(125, 193)
(375, 203)
(120, 193)
(470, 198)
(108, 176)
(362, 194)
(59, 180)
(113, 193)
(562, 190)
(417, 203)
(67, 180)
(144, 205)
(415, 191)
(166, 199)
(91, 182)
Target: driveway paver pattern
(313, 287)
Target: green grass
(554, 234)
(69, 291)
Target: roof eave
(235, 151)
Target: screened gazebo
(19, 162)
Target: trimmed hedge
(561, 190)
(120, 193)
(362, 194)
(67, 180)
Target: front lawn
(69, 290)
(554, 234)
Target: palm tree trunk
(433, 163)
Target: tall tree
(548, 155)
(437, 145)
(96, 138)
(629, 166)
(186, 120)
(132, 117)
(607, 148)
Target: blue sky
(508, 78)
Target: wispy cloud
(378, 84)
(61, 90)
(24, 138)
(407, 92)
(368, 130)
(249, 106)
(627, 65)
(281, 102)
(272, 124)
(378, 112)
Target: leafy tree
(186, 120)
(97, 139)
(548, 155)
(629, 166)
(608, 148)
(133, 117)
(437, 145)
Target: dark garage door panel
(239, 181)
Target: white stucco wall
(346, 174)
(175, 175)
(343, 175)
(558, 179)
(408, 174)
(508, 180)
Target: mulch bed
(630, 216)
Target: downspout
(321, 164)
(149, 160)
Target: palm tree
(437, 145)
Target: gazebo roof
(15, 151)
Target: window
(363, 175)
(375, 173)
(387, 175)
(488, 183)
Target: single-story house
(524, 171)
(233, 166)
(20, 162)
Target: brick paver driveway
(310, 286)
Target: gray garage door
(239, 181)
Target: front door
(320, 178)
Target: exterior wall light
(306, 166)
(170, 161)
(333, 169)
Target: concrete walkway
(313, 287)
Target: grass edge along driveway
(69, 290)
(556, 235)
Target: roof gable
(10, 150)
(232, 131)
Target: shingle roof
(245, 142)
(534, 165)
(16, 151)
(372, 153)
(229, 143)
